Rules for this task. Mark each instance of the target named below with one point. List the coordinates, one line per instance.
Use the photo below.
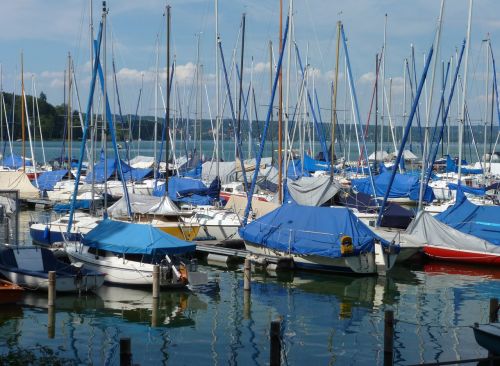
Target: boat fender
(346, 247)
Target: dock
(233, 251)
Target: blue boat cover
(480, 221)
(312, 165)
(111, 166)
(395, 216)
(404, 185)
(295, 170)
(309, 230)
(47, 180)
(189, 190)
(126, 237)
(358, 170)
(14, 161)
(466, 189)
(451, 167)
(66, 207)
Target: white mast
(429, 105)
(156, 108)
(382, 119)
(287, 97)
(464, 95)
(486, 87)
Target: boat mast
(22, 113)
(217, 102)
(156, 108)
(429, 107)
(487, 105)
(92, 126)
(289, 80)
(376, 109)
(167, 121)
(334, 105)
(464, 95)
(280, 116)
(105, 101)
(384, 53)
(238, 135)
(68, 111)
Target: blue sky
(47, 30)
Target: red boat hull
(462, 256)
(10, 293)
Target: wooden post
(52, 288)
(247, 275)
(493, 310)
(125, 352)
(388, 337)
(154, 313)
(247, 304)
(275, 359)
(51, 322)
(156, 281)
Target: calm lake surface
(327, 319)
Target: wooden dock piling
(52, 289)
(388, 337)
(156, 281)
(247, 274)
(51, 322)
(275, 334)
(125, 352)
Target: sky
(46, 31)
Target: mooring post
(154, 312)
(156, 281)
(125, 352)
(388, 337)
(51, 321)
(52, 289)
(275, 343)
(494, 310)
(247, 304)
(247, 274)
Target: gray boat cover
(14, 180)
(230, 171)
(427, 230)
(313, 191)
(143, 204)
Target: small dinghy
(29, 266)
(10, 293)
(488, 336)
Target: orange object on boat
(10, 292)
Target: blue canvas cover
(129, 173)
(404, 186)
(295, 170)
(466, 189)
(47, 180)
(309, 230)
(451, 167)
(480, 221)
(312, 165)
(14, 161)
(126, 237)
(189, 190)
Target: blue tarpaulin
(309, 230)
(79, 205)
(111, 166)
(126, 237)
(295, 170)
(47, 180)
(313, 165)
(404, 186)
(189, 190)
(480, 221)
(451, 167)
(14, 161)
(466, 189)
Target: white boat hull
(117, 270)
(364, 263)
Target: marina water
(326, 319)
